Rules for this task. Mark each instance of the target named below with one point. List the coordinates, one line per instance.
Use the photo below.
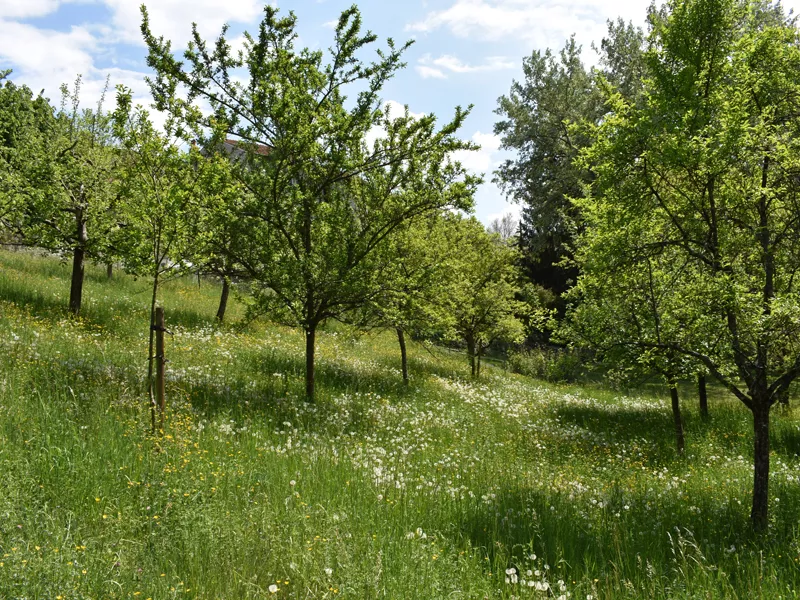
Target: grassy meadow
(452, 488)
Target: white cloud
(542, 22)
(23, 9)
(397, 109)
(483, 160)
(44, 57)
(489, 201)
(430, 72)
(435, 67)
(173, 18)
(488, 141)
(237, 44)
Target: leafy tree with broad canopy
(414, 299)
(629, 306)
(483, 289)
(711, 159)
(323, 200)
(60, 171)
(27, 125)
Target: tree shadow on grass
(619, 425)
(275, 399)
(189, 319)
(271, 385)
(785, 437)
(616, 541)
(422, 360)
(438, 364)
(333, 377)
(268, 401)
(94, 312)
(729, 430)
(54, 308)
(47, 307)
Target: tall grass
(502, 488)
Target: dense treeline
(660, 223)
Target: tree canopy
(542, 120)
(702, 176)
(323, 199)
(27, 124)
(483, 291)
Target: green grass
(376, 491)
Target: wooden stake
(703, 393)
(160, 363)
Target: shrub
(549, 364)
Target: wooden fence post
(160, 363)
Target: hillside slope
(499, 488)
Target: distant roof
(261, 149)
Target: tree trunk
(676, 415)
(758, 514)
(223, 300)
(478, 354)
(78, 266)
(759, 389)
(471, 353)
(311, 334)
(703, 393)
(160, 364)
(110, 270)
(403, 354)
(150, 355)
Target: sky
(464, 52)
